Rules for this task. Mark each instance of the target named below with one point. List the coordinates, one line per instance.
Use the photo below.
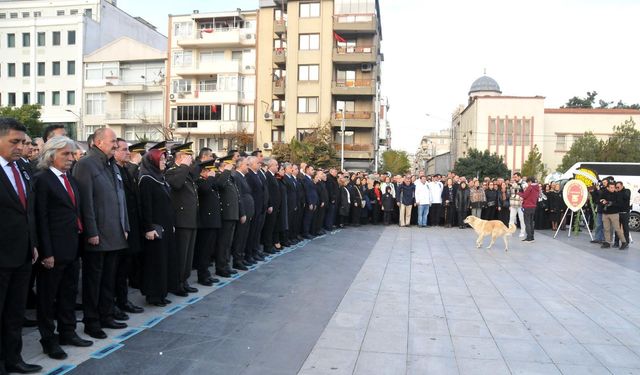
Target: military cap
(231, 152)
(162, 146)
(256, 152)
(138, 147)
(209, 164)
(186, 148)
(227, 159)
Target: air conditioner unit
(249, 67)
(172, 97)
(248, 36)
(268, 116)
(366, 67)
(267, 146)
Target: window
(55, 68)
(236, 55)
(561, 142)
(95, 103)
(71, 67)
(492, 131)
(510, 132)
(41, 39)
(99, 71)
(500, 131)
(209, 57)
(40, 97)
(518, 132)
(526, 132)
(73, 11)
(11, 99)
(348, 137)
(245, 113)
(56, 38)
(182, 29)
(26, 69)
(308, 72)
(13, 15)
(345, 105)
(308, 104)
(147, 106)
(26, 98)
(55, 98)
(304, 133)
(88, 12)
(60, 13)
(71, 37)
(26, 39)
(277, 136)
(182, 58)
(25, 14)
(181, 85)
(71, 97)
(278, 105)
(354, 6)
(186, 113)
(37, 14)
(279, 44)
(227, 83)
(208, 85)
(309, 10)
(3, 16)
(309, 42)
(346, 77)
(230, 112)
(11, 70)
(11, 40)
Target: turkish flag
(339, 38)
(214, 108)
(207, 30)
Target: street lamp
(80, 132)
(342, 112)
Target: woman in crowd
(503, 203)
(449, 203)
(554, 206)
(477, 198)
(356, 201)
(375, 198)
(491, 210)
(282, 224)
(158, 221)
(463, 203)
(366, 206)
(542, 209)
(388, 205)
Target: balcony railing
(355, 54)
(280, 26)
(279, 55)
(132, 116)
(354, 49)
(354, 87)
(354, 18)
(354, 147)
(355, 22)
(353, 115)
(208, 87)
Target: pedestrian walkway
(389, 300)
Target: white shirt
(6, 166)
(59, 175)
(436, 192)
(423, 192)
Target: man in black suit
(18, 241)
(333, 190)
(231, 216)
(30, 167)
(275, 202)
(246, 209)
(311, 201)
(292, 202)
(59, 227)
(299, 176)
(258, 189)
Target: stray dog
(495, 228)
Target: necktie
(67, 185)
(21, 193)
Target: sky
(434, 49)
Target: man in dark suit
(209, 222)
(275, 202)
(18, 241)
(333, 190)
(231, 215)
(106, 228)
(59, 227)
(299, 176)
(30, 167)
(258, 189)
(311, 201)
(246, 209)
(292, 203)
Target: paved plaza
(389, 300)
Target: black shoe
(615, 245)
(624, 245)
(119, 315)
(131, 308)
(214, 280)
(96, 333)
(605, 245)
(300, 238)
(240, 267)
(53, 350)
(223, 273)
(249, 262)
(22, 368)
(111, 323)
(258, 258)
(75, 340)
(156, 302)
(270, 251)
(180, 293)
(205, 282)
(190, 289)
(29, 323)
(307, 237)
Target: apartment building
(43, 44)
(124, 85)
(319, 64)
(211, 82)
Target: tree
(395, 162)
(577, 102)
(28, 115)
(533, 166)
(624, 144)
(481, 164)
(585, 148)
(622, 105)
(315, 149)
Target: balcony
(355, 22)
(280, 26)
(279, 87)
(279, 55)
(131, 117)
(355, 54)
(355, 119)
(354, 87)
(278, 119)
(219, 37)
(196, 69)
(355, 151)
(212, 127)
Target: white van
(628, 173)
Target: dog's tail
(512, 229)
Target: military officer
(230, 209)
(209, 222)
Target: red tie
(21, 194)
(72, 196)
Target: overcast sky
(434, 50)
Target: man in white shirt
(435, 186)
(423, 200)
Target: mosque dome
(484, 85)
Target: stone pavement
(389, 300)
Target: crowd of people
(123, 216)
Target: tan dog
(495, 228)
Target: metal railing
(354, 147)
(354, 83)
(354, 17)
(355, 49)
(352, 115)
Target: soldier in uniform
(247, 210)
(209, 222)
(230, 209)
(181, 178)
(136, 152)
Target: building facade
(124, 89)
(211, 79)
(511, 125)
(319, 65)
(43, 44)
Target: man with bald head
(106, 228)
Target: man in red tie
(59, 230)
(18, 243)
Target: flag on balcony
(214, 108)
(339, 38)
(207, 30)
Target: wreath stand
(584, 218)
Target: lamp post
(80, 135)
(342, 112)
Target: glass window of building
(181, 85)
(13, 15)
(41, 39)
(71, 67)
(11, 99)
(308, 104)
(40, 98)
(3, 16)
(561, 142)
(55, 68)
(346, 77)
(71, 97)
(309, 42)
(183, 58)
(309, 10)
(26, 39)
(11, 70)
(230, 112)
(182, 29)
(11, 40)
(26, 69)
(345, 105)
(354, 7)
(88, 12)
(236, 55)
(55, 98)
(73, 12)
(37, 14)
(26, 98)
(60, 12)
(71, 37)
(308, 72)
(348, 137)
(208, 85)
(95, 103)
(55, 38)
(26, 14)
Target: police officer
(209, 222)
(230, 210)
